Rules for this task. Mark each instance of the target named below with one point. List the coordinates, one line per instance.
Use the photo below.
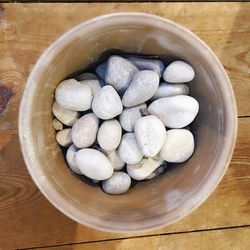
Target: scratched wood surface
(28, 220)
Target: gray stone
(129, 116)
(129, 150)
(142, 87)
(118, 183)
(119, 72)
(150, 64)
(84, 131)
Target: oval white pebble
(115, 160)
(93, 84)
(94, 164)
(178, 146)
(118, 183)
(70, 157)
(144, 168)
(119, 72)
(176, 111)
(178, 71)
(129, 116)
(170, 89)
(72, 95)
(84, 131)
(142, 87)
(107, 103)
(67, 117)
(129, 150)
(109, 135)
(63, 137)
(150, 134)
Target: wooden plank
(32, 221)
(235, 239)
(225, 29)
(26, 30)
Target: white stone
(84, 131)
(109, 135)
(94, 164)
(118, 183)
(93, 84)
(142, 87)
(129, 150)
(150, 134)
(107, 103)
(144, 168)
(170, 89)
(72, 95)
(57, 124)
(151, 64)
(67, 117)
(178, 71)
(178, 146)
(176, 111)
(129, 116)
(63, 137)
(70, 157)
(119, 72)
(115, 160)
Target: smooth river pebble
(115, 160)
(129, 116)
(94, 164)
(176, 111)
(107, 103)
(144, 168)
(109, 135)
(70, 157)
(178, 71)
(84, 131)
(150, 134)
(72, 95)
(178, 146)
(119, 72)
(118, 183)
(63, 137)
(170, 89)
(142, 87)
(150, 64)
(67, 117)
(129, 150)
(93, 84)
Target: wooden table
(28, 220)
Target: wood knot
(5, 95)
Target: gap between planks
(136, 237)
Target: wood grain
(233, 239)
(27, 219)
